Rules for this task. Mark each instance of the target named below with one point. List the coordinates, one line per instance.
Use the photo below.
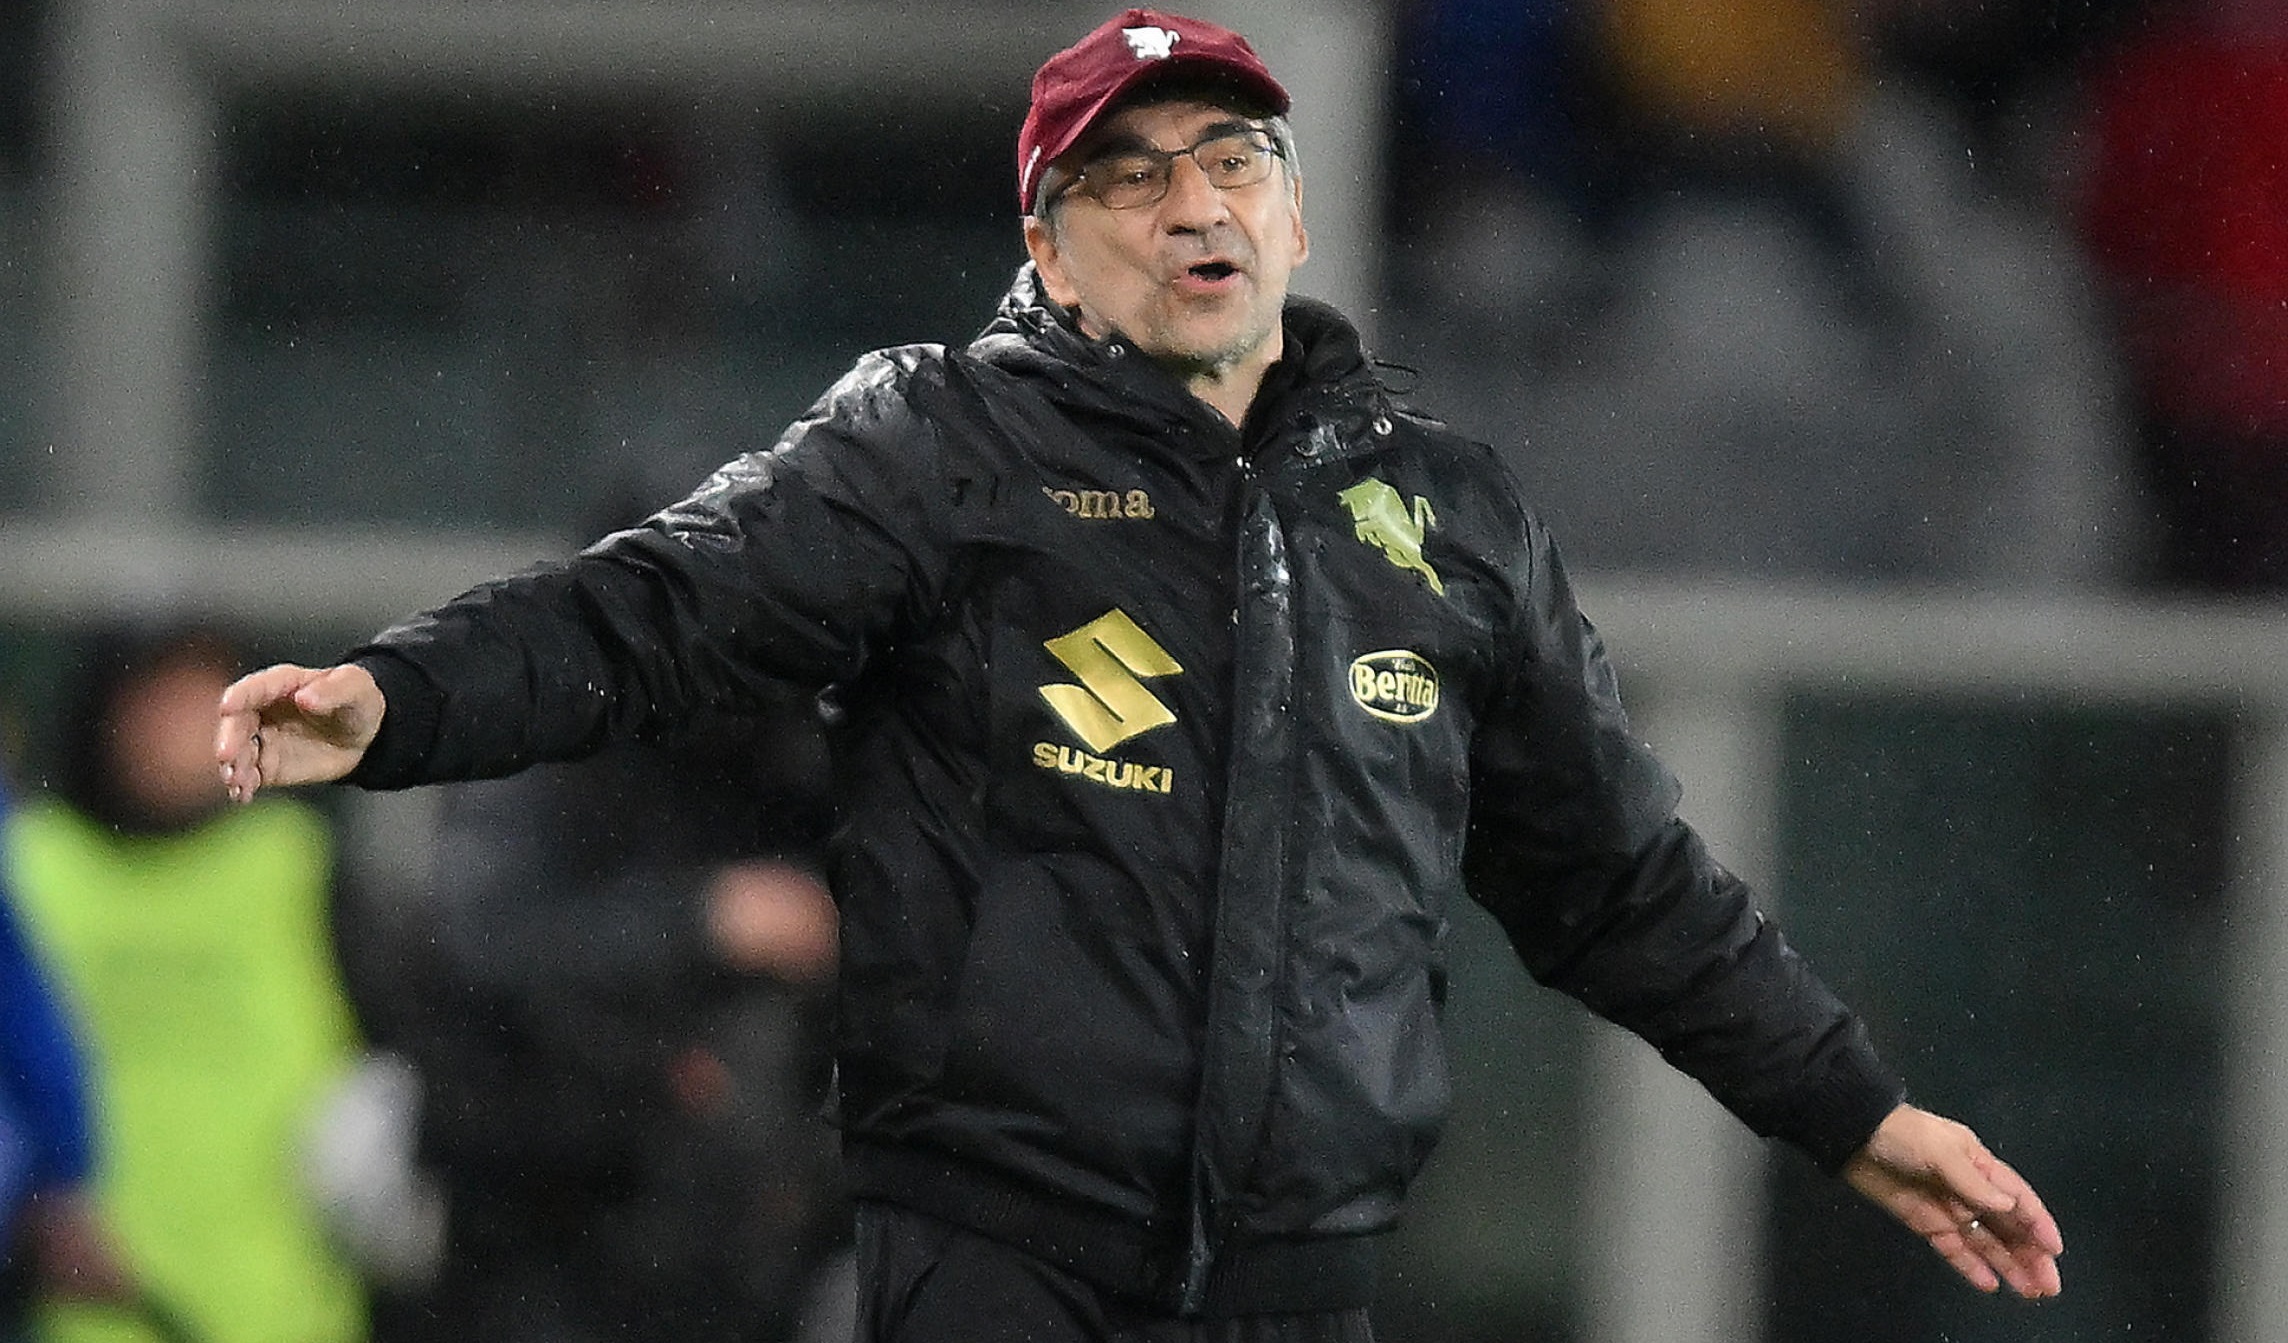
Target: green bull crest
(1384, 522)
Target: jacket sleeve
(794, 565)
(1576, 848)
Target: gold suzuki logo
(1382, 521)
(1109, 654)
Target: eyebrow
(1129, 142)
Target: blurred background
(1907, 381)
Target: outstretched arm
(1982, 1217)
(288, 725)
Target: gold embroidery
(1109, 655)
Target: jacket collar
(1031, 334)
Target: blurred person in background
(1189, 678)
(53, 1244)
(1742, 304)
(193, 943)
(1533, 127)
(624, 1052)
(1490, 111)
(1758, 92)
(2002, 71)
(2185, 208)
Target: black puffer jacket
(1171, 748)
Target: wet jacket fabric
(1170, 747)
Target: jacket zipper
(1239, 1060)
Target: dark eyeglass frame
(1119, 194)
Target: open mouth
(1213, 270)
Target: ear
(1302, 235)
(1048, 259)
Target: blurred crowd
(1922, 291)
(570, 1088)
(1987, 292)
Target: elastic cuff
(1837, 1118)
(410, 714)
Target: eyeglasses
(1124, 179)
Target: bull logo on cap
(1152, 44)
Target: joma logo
(1097, 505)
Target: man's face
(1195, 279)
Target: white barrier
(1705, 669)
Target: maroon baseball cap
(1075, 86)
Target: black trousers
(922, 1280)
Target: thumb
(332, 690)
(341, 706)
(1976, 1178)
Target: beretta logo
(1395, 686)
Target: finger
(1987, 1250)
(327, 692)
(2035, 1276)
(236, 752)
(1971, 1175)
(1955, 1248)
(1947, 1224)
(2030, 1270)
(242, 769)
(2028, 1220)
(256, 691)
(2010, 1228)
(343, 703)
(238, 725)
(232, 732)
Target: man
(1188, 681)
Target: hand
(775, 919)
(1982, 1217)
(288, 725)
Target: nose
(1193, 202)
